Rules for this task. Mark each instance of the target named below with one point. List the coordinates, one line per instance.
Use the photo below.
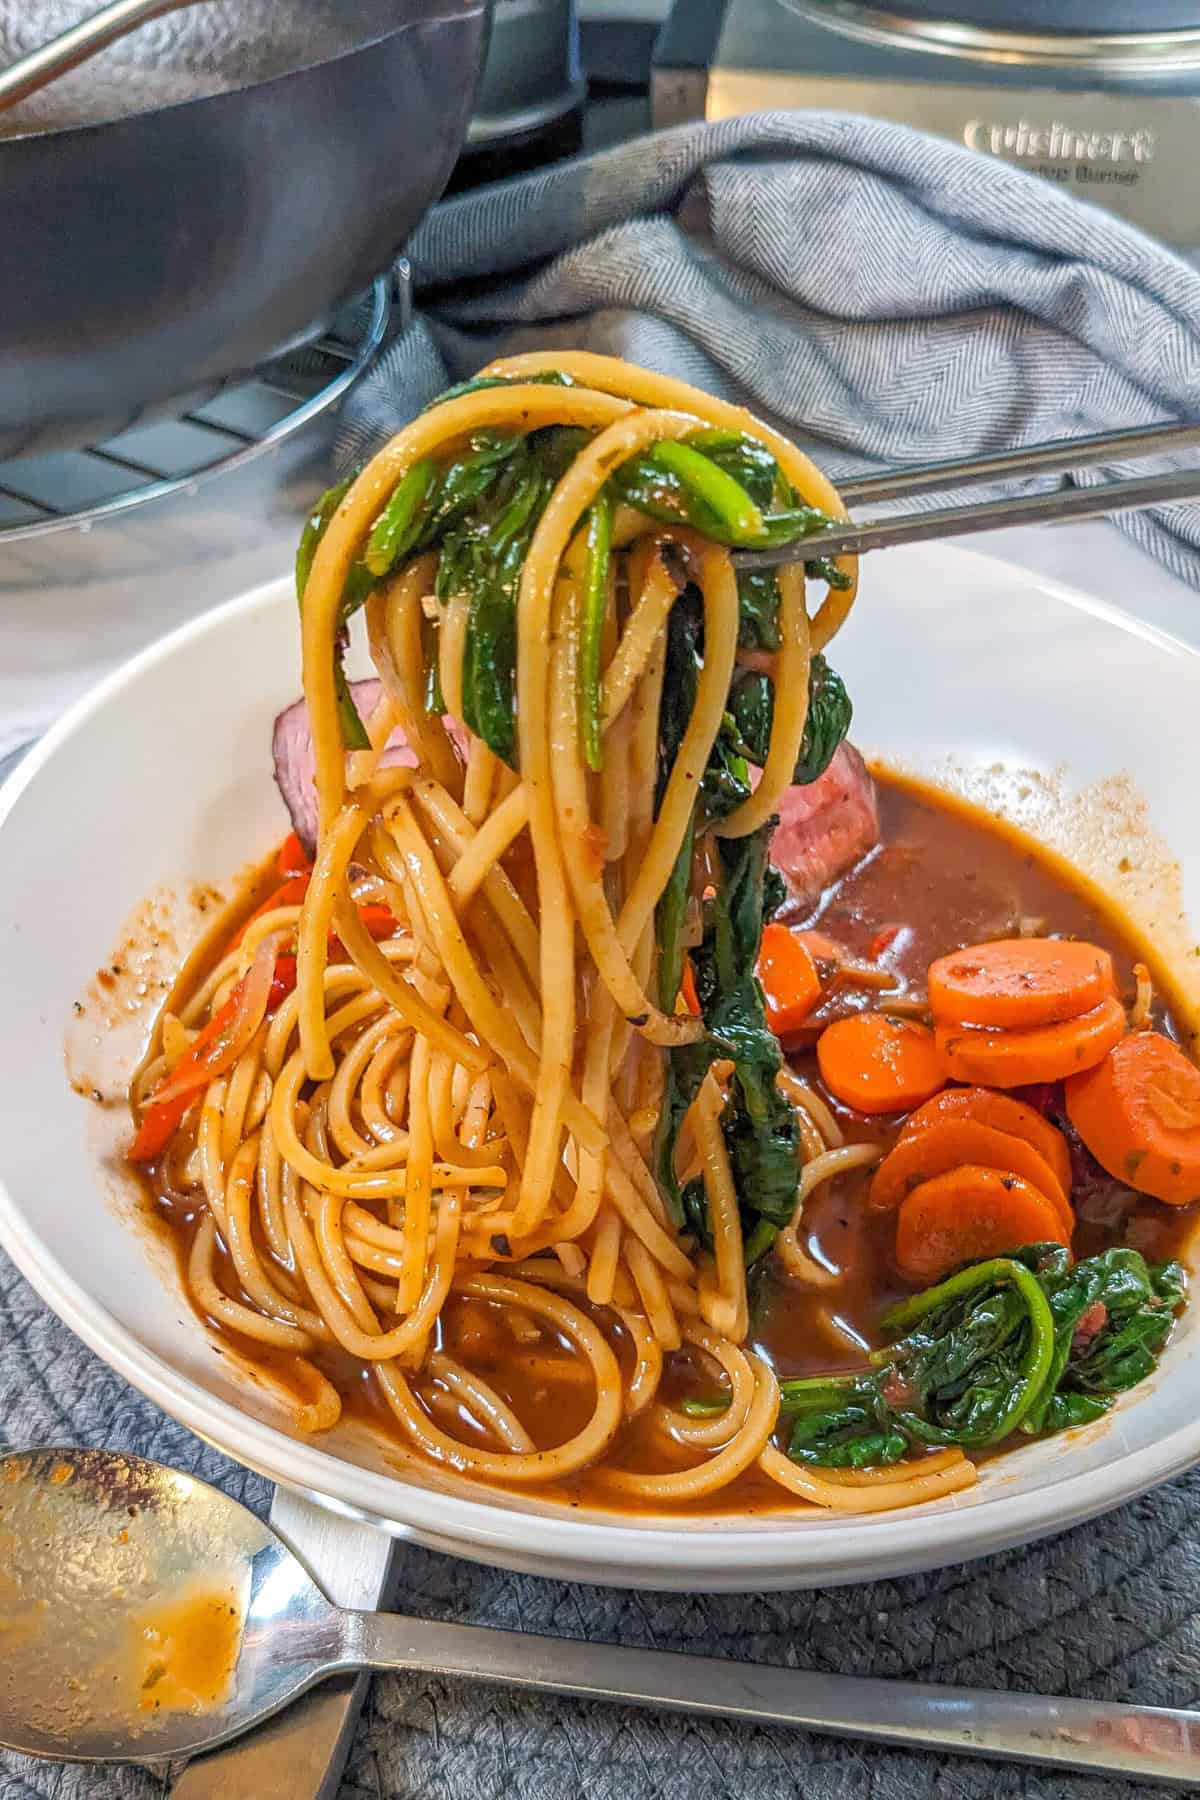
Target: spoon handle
(300, 1754)
(1153, 1743)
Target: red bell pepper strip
(207, 1056)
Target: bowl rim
(486, 1529)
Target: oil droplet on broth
(185, 1651)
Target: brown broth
(944, 874)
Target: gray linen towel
(883, 296)
(887, 298)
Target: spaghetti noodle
(460, 1110)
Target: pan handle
(76, 44)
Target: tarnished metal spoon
(144, 1615)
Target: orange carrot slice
(1008, 1059)
(789, 978)
(1003, 1113)
(968, 1214)
(879, 1064)
(951, 1142)
(1020, 982)
(1138, 1112)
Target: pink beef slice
(825, 827)
(291, 747)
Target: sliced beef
(825, 828)
(291, 747)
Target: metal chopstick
(1057, 507)
(1032, 459)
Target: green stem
(816, 1393)
(398, 525)
(701, 1406)
(672, 912)
(354, 732)
(314, 530)
(793, 524)
(1038, 1358)
(759, 1241)
(725, 497)
(598, 546)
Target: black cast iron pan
(203, 193)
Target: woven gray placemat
(1107, 1610)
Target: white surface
(1023, 672)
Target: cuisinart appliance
(1100, 96)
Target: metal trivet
(236, 422)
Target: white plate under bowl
(958, 665)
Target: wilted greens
(752, 709)
(1029, 1342)
(758, 1124)
(480, 509)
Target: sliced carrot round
(1003, 1113)
(1138, 1112)
(952, 1142)
(790, 983)
(968, 1214)
(1020, 982)
(1007, 1059)
(879, 1064)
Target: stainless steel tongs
(1125, 494)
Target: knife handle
(301, 1754)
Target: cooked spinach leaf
(752, 709)
(542, 378)
(759, 1126)
(828, 722)
(1028, 1342)
(355, 590)
(484, 515)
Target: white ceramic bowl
(965, 669)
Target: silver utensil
(300, 1753)
(1126, 494)
(75, 45)
(113, 1565)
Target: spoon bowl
(144, 1614)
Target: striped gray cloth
(884, 296)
